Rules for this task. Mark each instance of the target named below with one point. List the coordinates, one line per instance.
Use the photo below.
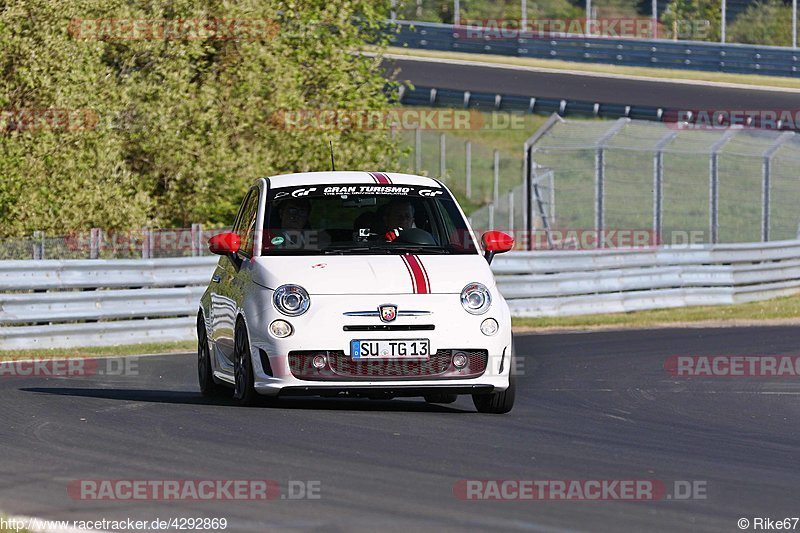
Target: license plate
(399, 349)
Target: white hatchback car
(359, 284)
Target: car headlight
(291, 300)
(476, 298)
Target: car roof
(346, 176)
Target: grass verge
(778, 310)
(645, 72)
(100, 351)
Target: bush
(183, 126)
(768, 23)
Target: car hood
(375, 274)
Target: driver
(399, 215)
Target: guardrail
(689, 55)
(563, 283)
(47, 304)
(55, 304)
(432, 96)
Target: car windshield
(364, 219)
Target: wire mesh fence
(147, 243)
(771, 23)
(706, 186)
(674, 184)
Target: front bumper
(324, 330)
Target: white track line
(679, 81)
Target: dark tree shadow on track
(195, 398)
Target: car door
(227, 296)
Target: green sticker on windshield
(277, 241)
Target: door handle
(216, 279)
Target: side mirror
(224, 243)
(496, 242)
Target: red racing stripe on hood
(381, 178)
(419, 276)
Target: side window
(237, 224)
(247, 223)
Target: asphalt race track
(590, 406)
(586, 87)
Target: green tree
(698, 20)
(768, 23)
(184, 125)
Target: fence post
(417, 150)
(94, 243)
(442, 157)
(511, 210)
(491, 216)
(468, 150)
(713, 195)
(38, 245)
(766, 179)
(599, 177)
(599, 167)
(197, 240)
(658, 184)
(496, 177)
(147, 243)
(523, 8)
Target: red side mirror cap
(497, 242)
(224, 243)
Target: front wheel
(496, 402)
(243, 391)
(205, 373)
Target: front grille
(391, 327)
(342, 367)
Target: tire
(243, 391)
(205, 372)
(497, 403)
(441, 397)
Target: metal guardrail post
(468, 162)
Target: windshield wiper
(331, 250)
(410, 248)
